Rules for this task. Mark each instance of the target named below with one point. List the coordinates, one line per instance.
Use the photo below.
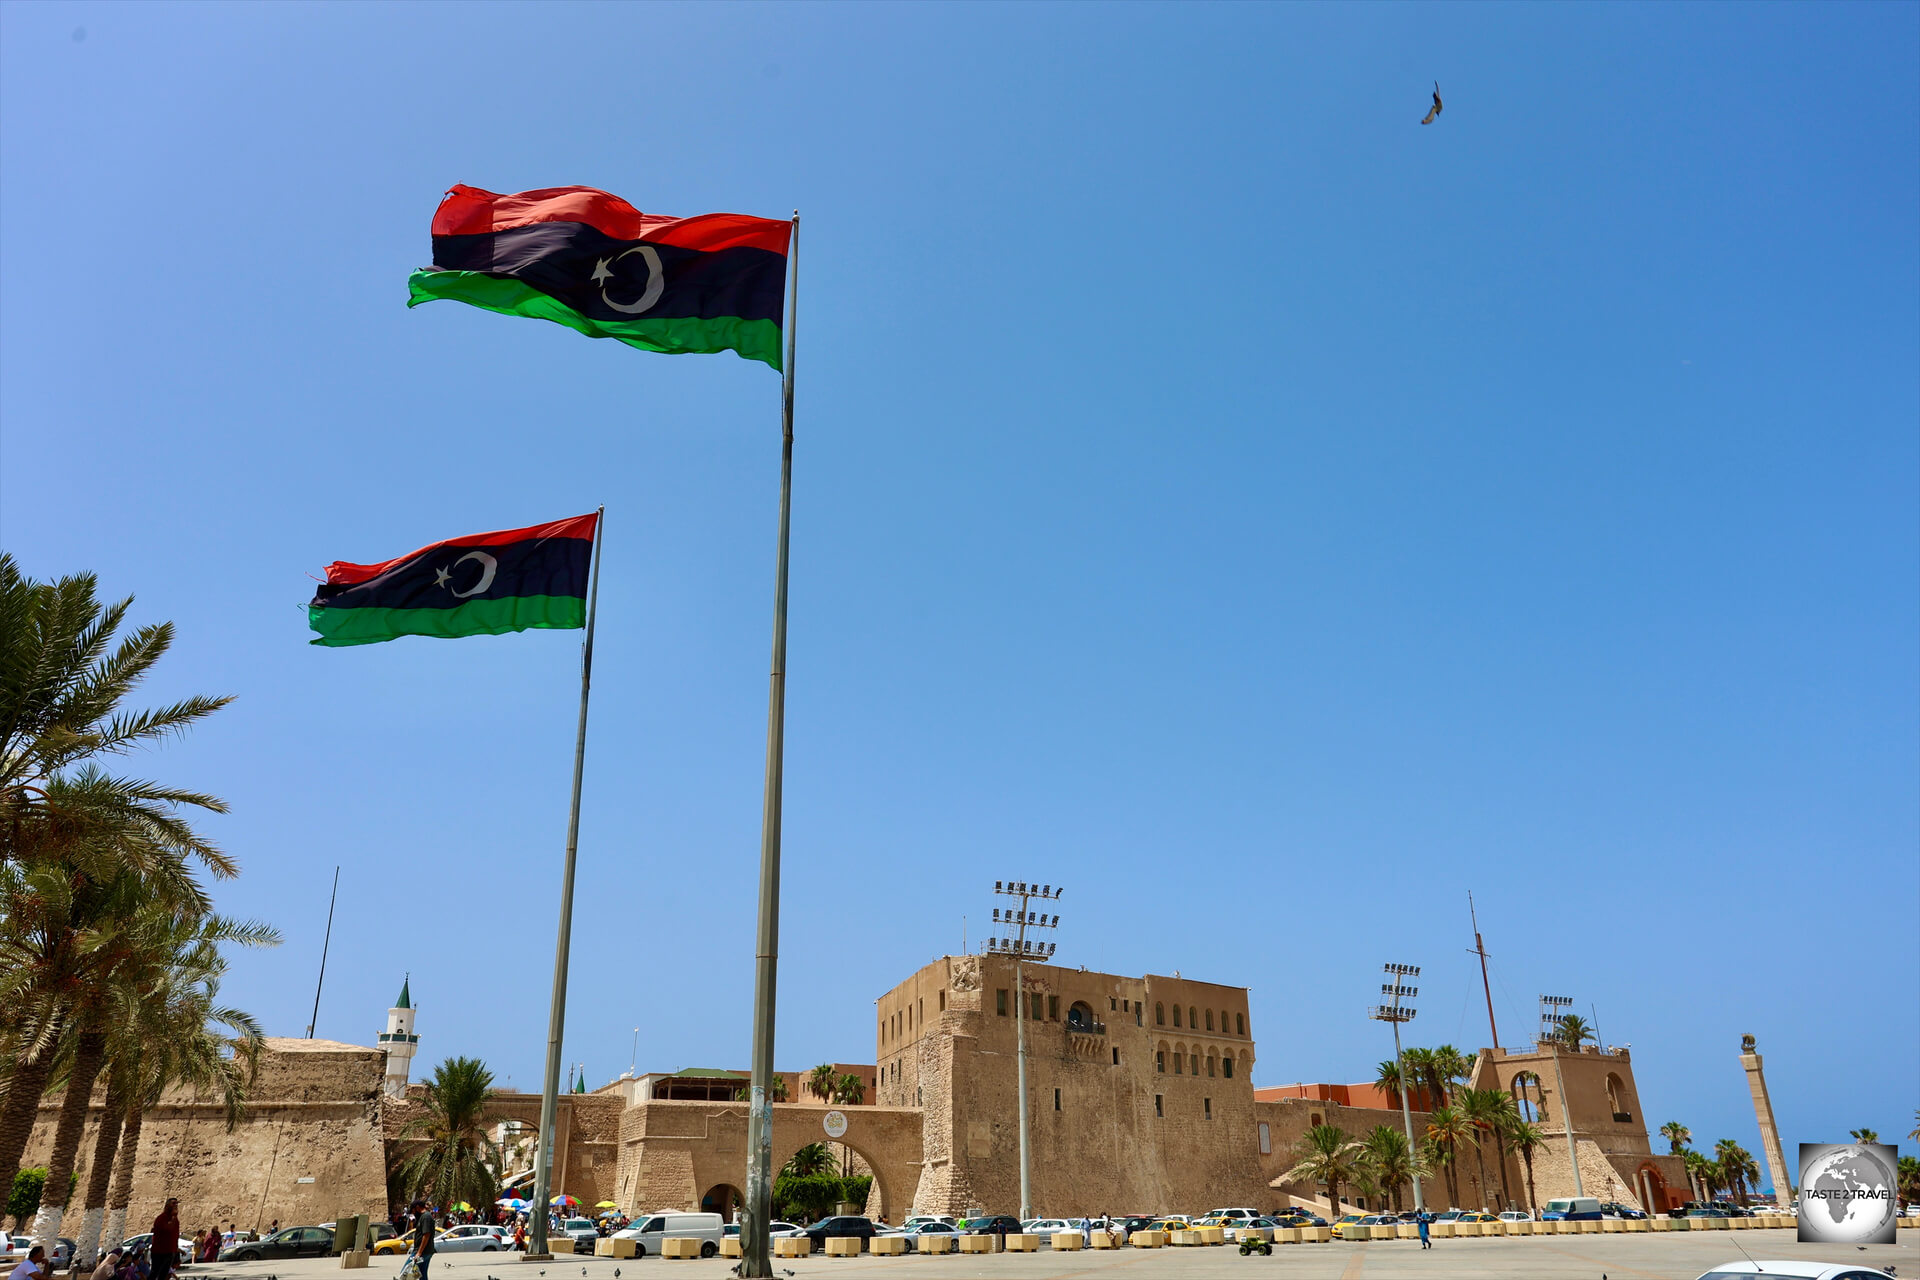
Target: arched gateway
(677, 1155)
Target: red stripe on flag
(468, 211)
(341, 572)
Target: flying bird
(1434, 113)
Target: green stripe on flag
(341, 627)
(753, 339)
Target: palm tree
(1416, 1063)
(1388, 1080)
(1447, 1128)
(1325, 1154)
(1449, 1066)
(1677, 1136)
(1526, 1138)
(821, 1081)
(849, 1090)
(457, 1158)
(1485, 1112)
(1865, 1135)
(1909, 1178)
(813, 1159)
(1571, 1031)
(1736, 1166)
(1391, 1164)
(179, 1030)
(1698, 1174)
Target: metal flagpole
(323, 953)
(755, 1246)
(557, 1016)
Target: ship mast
(1480, 950)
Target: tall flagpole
(755, 1246)
(557, 1016)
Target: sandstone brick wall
(309, 1150)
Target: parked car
(62, 1250)
(1793, 1271)
(1515, 1215)
(1572, 1209)
(1476, 1215)
(1360, 1226)
(920, 1229)
(141, 1241)
(1298, 1218)
(472, 1238)
(1448, 1215)
(919, 1218)
(731, 1231)
(1046, 1226)
(1614, 1209)
(1239, 1224)
(647, 1233)
(847, 1227)
(288, 1242)
(1234, 1213)
(998, 1224)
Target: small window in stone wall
(1160, 1061)
(1112, 1004)
(1266, 1139)
(943, 999)
(1226, 1066)
(1239, 1024)
(1159, 1015)
(1176, 1015)
(1053, 1008)
(1179, 1064)
(1194, 1059)
(1209, 1064)
(1000, 1002)
(1116, 1057)
(1136, 1015)
(1208, 1107)
(1313, 1119)
(1159, 1105)
(1209, 1019)
(1056, 1099)
(1193, 1017)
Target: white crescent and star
(656, 280)
(442, 577)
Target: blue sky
(1214, 492)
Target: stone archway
(724, 1199)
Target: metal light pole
(1021, 950)
(1396, 1013)
(1548, 1005)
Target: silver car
(471, 1238)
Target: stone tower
(1763, 1112)
(399, 1042)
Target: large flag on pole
(589, 260)
(481, 585)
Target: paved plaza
(1665, 1256)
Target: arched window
(1176, 1015)
(1193, 1017)
(1179, 1064)
(1209, 1063)
(1209, 1019)
(1159, 1014)
(1160, 1061)
(1193, 1061)
(1617, 1099)
(1239, 1024)
(1526, 1096)
(1080, 1016)
(1226, 1066)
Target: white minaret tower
(399, 1042)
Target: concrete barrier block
(354, 1259)
(559, 1244)
(843, 1246)
(1022, 1242)
(1380, 1231)
(792, 1247)
(1462, 1229)
(1515, 1228)
(1440, 1230)
(976, 1244)
(679, 1247)
(1213, 1235)
(1146, 1239)
(1743, 1224)
(888, 1245)
(1716, 1224)
(1407, 1230)
(1106, 1239)
(1286, 1235)
(1182, 1239)
(1315, 1235)
(1664, 1224)
(1588, 1226)
(1067, 1240)
(730, 1247)
(1904, 1222)
(612, 1248)
(935, 1243)
(1612, 1225)
(1253, 1233)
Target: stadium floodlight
(1394, 1014)
(1022, 948)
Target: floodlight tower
(1397, 1013)
(1551, 1008)
(1022, 950)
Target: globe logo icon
(1847, 1193)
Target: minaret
(1763, 1112)
(399, 1042)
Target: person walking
(166, 1240)
(1426, 1241)
(422, 1236)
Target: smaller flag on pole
(484, 584)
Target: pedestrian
(422, 1236)
(35, 1267)
(108, 1265)
(166, 1240)
(1426, 1241)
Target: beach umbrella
(511, 1203)
(564, 1201)
(606, 1204)
(464, 1207)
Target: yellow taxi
(1476, 1216)
(1358, 1226)
(1167, 1224)
(394, 1244)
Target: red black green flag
(485, 584)
(589, 260)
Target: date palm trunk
(120, 1193)
(89, 1053)
(1500, 1149)
(100, 1179)
(22, 1107)
(1480, 1159)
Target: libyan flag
(485, 584)
(589, 260)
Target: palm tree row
(1732, 1168)
(110, 953)
(1431, 1075)
(1476, 1116)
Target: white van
(1573, 1209)
(647, 1232)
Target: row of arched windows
(1194, 1016)
(1185, 1060)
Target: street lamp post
(1549, 1011)
(1022, 950)
(1397, 1013)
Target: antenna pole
(1481, 950)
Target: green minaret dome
(406, 1000)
